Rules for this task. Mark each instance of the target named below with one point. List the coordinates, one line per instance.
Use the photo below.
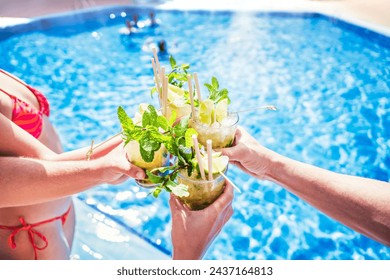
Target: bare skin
(194, 231)
(38, 179)
(359, 203)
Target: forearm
(360, 203)
(100, 150)
(14, 141)
(29, 181)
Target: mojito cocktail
(202, 193)
(161, 159)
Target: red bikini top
(26, 116)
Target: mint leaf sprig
(178, 74)
(215, 93)
(148, 135)
(155, 130)
(182, 148)
(177, 77)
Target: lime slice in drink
(206, 111)
(216, 154)
(175, 96)
(221, 110)
(137, 120)
(219, 164)
(175, 89)
(143, 107)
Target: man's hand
(194, 231)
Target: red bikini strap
(32, 233)
(5, 73)
(65, 215)
(10, 95)
(9, 75)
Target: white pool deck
(98, 236)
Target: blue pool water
(329, 79)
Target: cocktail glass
(221, 133)
(161, 159)
(202, 193)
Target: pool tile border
(108, 15)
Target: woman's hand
(119, 169)
(193, 231)
(249, 155)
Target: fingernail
(140, 175)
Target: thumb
(232, 153)
(172, 202)
(175, 204)
(238, 135)
(134, 171)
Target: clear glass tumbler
(202, 193)
(222, 134)
(161, 159)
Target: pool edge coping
(377, 28)
(126, 227)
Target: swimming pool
(329, 79)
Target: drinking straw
(230, 181)
(165, 96)
(156, 77)
(267, 107)
(209, 144)
(198, 156)
(191, 96)
(226, 178)
(162, 73)
(156, 58)
(197, 87)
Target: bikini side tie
(32, 233)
